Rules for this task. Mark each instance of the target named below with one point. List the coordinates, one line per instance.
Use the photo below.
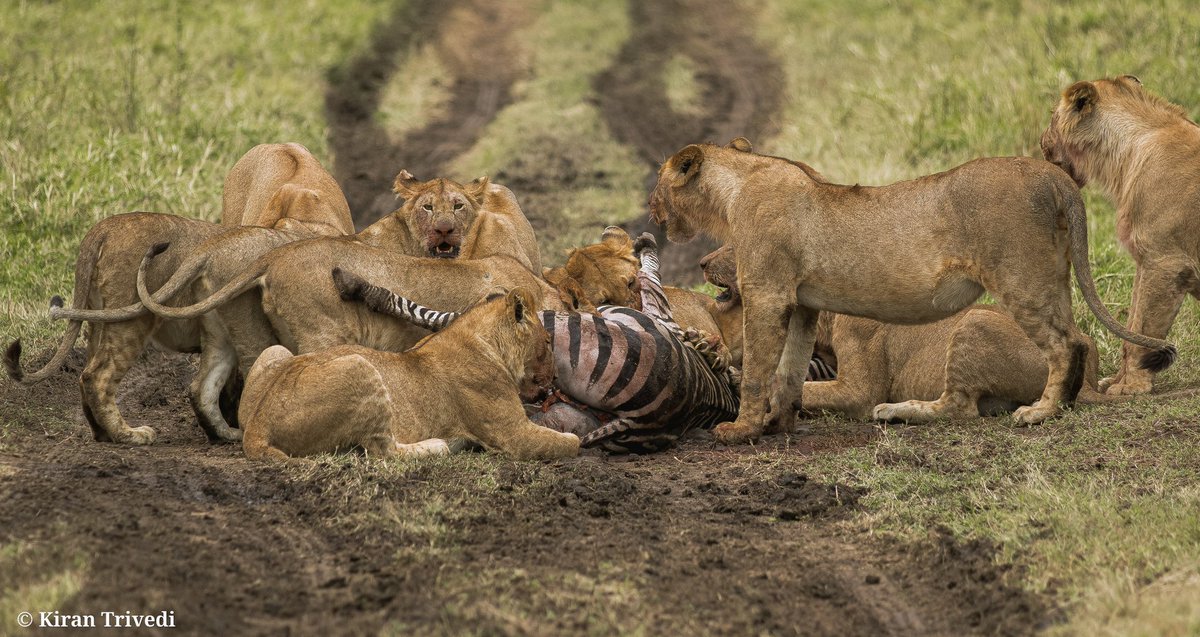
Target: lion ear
(1131, 78)
(616, 235)
(516, 302)
(687, 163)
(405, 184)
(477, 189)
(1081, 96)
(741, 144)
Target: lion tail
(85, 270)
(1161, 353)
(244, 281)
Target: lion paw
(137, 436)
(735, 433)
(1033, 414)
(907, 411)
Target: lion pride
(911, 252)
(1144, 153)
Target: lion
(911, 252)
(286, 297)
(1142, 151)
(460, 383)
(976, 362)
(106, 295)
(600, 274)
(283, 186)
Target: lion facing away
(461, 383)
(911, 252)
(1144, 153)
(976, 362)
(283, 186)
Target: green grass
(126, 105)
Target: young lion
(1144, 153)
(121, 329)
(461, 383)
(283, 186)
(911, 252)
(976, 362)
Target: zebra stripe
(819, 370)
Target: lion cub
(461, 383)
(976, 362)
(1144, 153)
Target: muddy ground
(695, 541)
(686, 541)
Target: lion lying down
(626, 380)
(976, 362)
(460, 383)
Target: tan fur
(105, 277)
(207, 266)
(977, 361)
(460, 383)
(283, 186)
(287, 297)
(913, 252)
(600, 274)
(1144, 153)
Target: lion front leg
(1158, 291)
(767, 318)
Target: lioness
(287, 297)
(600, 274)
(911, 252)
(1144, 153)
(105, 277)
(461, 383)
(283, 186)
(115, 345)
(976, 362)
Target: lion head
(1094, 120)
(439, 212)
(603, 273)
(720, 269)
(682, 198)
(511, 322)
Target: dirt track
(697, 542)
(689, 541)
(367, 158)
(740, 91)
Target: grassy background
(128, 105)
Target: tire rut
(366, 158)
(741, 86)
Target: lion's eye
(458, 205)
(428, 207)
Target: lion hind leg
(217, 364)
(951, 405)
(112, 350)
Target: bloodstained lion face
(440, 212)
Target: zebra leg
(654, 300)
(626, 436)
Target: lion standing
(1144, 153)
(912, 252)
